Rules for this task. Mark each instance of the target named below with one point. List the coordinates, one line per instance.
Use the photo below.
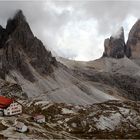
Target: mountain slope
(25, 60)
(120, 75)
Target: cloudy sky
(74, 29)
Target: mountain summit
(20, 49)
(133, 42)
(115, 45)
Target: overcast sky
(74, 29)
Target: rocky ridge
(19, 48)
(116, 47)
(133, 42)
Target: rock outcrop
(115, 45)
(133, 43)
(20, 49)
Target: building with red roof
(9, 107)
(5, 102)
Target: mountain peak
(115, 45)
(19, 15)
(134, 41)
(21, 50)
(18, 22)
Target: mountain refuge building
(9, 107)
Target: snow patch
(67, 111)
(109, 123)
(124, 111)
(42, 103)
(45, 107)
(74, 125)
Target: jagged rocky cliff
(115, 46)
(19, 48)
(133, 42)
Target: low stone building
(39, 118)
(21, 127)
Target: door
(1, 113)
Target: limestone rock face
(133, 43)
(20, 49)
(115, 45)
(2, 36)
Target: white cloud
(128, 23)
(82, 35)
(78, 38)
(74, 29)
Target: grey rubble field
(113, 119)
